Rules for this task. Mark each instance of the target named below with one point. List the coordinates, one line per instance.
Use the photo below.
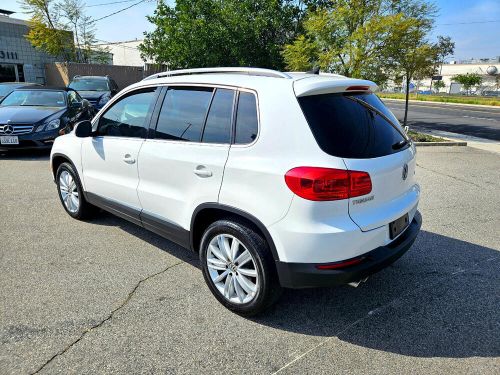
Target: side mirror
(83, 129)
(85, 103)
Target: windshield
(89, 85)
(5, 89)
(39, 98)
(356, 126)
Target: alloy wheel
(69, 191)
(232, 269)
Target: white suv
(275, 179)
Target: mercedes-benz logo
(8, 129)
(405, 171)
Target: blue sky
(480, 39)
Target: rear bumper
(306, 275)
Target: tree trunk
(406, 99)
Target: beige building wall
(450, 70)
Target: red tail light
(357, 88)
(327, 184)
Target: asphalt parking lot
(109, 297)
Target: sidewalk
(475, 142)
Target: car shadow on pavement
(183, 254)
(441, 299)
(25, 154)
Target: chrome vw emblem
(8, 129)
(405, 171)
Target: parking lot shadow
(441, 299)
(25, 155)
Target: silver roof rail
(248, 71)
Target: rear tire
(238, 267)
(70, 193)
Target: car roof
(103, 78)
(45, 88)
(303, 83)
(19, 83)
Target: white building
(126, 53)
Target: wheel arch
(56, 160)
(207, 213)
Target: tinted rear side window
(246, 119)
(182, 114)
(218, 126)
(345, 128)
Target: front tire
(238, 267)
(70, 193)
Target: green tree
(61, 28)
(46, 31)
(410, 54)
(444, 48)
(201, 33)
(468, 80)
(438, 85)
(351, 37)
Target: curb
(449, 141)
(429, 144)
(444, 103)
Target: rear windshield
(356, 126)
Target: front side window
(72, 97)
(182, 114)
(129, 116)
(246, 119)
(219, 119)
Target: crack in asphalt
(108, 318)
(450, 176)
(380, 309)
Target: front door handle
(201, 171)
(128, 159)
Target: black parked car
(7, 87)
(32, 117)
(96, 89)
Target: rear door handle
(201, 171)
(128, 159)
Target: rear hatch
(355, 125)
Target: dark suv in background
(96, 89)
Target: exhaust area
(355, 284)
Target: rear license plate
(398, 226)
(9, 140)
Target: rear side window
(219, 119)
(246, 119)
(344, 127)
(182, 114)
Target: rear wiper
(401, 144)
(381, 114)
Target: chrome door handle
(201, 171)
(128, 159)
